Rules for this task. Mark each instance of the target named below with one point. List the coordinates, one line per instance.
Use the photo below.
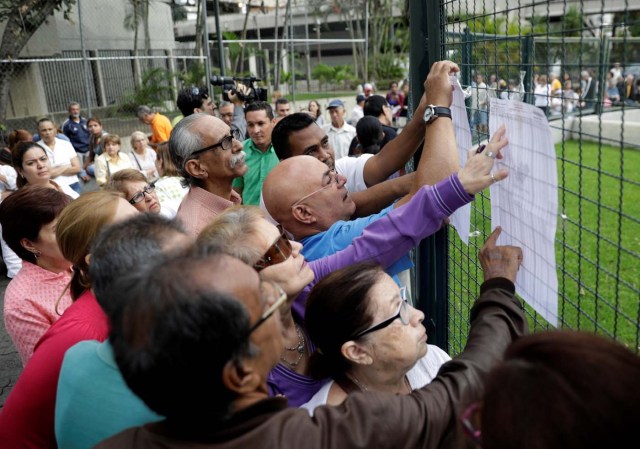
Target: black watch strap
(441, 111)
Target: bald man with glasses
(209, 158)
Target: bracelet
(480, 148)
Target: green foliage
(194, 76)
(9, 8)
(323, 73)
(154, 89)
(234, 49)
(386, 67)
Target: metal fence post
(432, 255)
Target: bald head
(287, 182)
(318, 192)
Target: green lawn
(597, 246)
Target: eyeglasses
(333, 178)
(148, 189)
(468, 418)
(277, 253)
(403, 313)
(282, 297)
(226, 143)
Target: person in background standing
(316, 112)
(340, 132)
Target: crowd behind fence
(598, 153)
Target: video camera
(228, 83)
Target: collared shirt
(27, 418)
(170, 194)
(61, 154)
(340, 138)
(160, 128)
(78, 133)
(106, 166)
(30, 305)
(260, 164)
(200, 207)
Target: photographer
(239, 92)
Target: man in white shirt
(340, 132)
(65, 164)
(357, 112)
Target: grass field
(597, 247)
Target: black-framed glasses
(282, 297)
(470, 420)
(148, 189)
(404, 313)
(277, 253)
(226, 143)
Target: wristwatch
(433, 112)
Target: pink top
(27, 418)
(199, 208)
(30, 305)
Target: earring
(36, 253)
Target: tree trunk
(137, 76)
(16, 35)
(276, 53)
(240, 62)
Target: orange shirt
(160, 128)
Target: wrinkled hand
(499, 261)
(234, 97)
(476, 174)
(437, 87)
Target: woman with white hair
(142, 157)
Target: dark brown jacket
(427, 418)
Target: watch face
(428, 115)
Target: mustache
(235, 160)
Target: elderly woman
(110, 161)
(376, 341)
(34, 168)
(34, 299)
(135, 188)
(27, 418)
(142, 157)
(245, 233)
(169, 187)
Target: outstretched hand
(499, 261)
(437, 87)
(476, 174)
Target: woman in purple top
(246, 234)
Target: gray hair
(73, 103)
(584, 73)
(184, 141)
(137, 134)
(143, 110)
(225, 103)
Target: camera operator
(232, 113)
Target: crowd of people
(239, 280)
(553, 95)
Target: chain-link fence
(589, 53)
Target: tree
(23, 20)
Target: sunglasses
(277, 253)
(282, 297)
(148, 189)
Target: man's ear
(303, 214)
(195, 169)
(240, 377)
(356, 353)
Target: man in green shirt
(260, 155)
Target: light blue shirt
(93, 401)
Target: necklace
(363, 387)
(299, 348)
